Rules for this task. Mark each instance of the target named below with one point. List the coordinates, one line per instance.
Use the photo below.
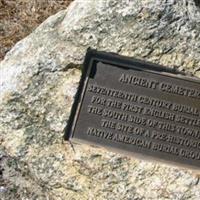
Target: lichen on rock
(38, 80)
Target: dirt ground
(18, 18)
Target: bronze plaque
(138, 108)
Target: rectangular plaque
(138, 108)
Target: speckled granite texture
(38, 80)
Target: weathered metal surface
(137, 108)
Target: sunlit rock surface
(38, 80)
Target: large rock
(39, 77)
